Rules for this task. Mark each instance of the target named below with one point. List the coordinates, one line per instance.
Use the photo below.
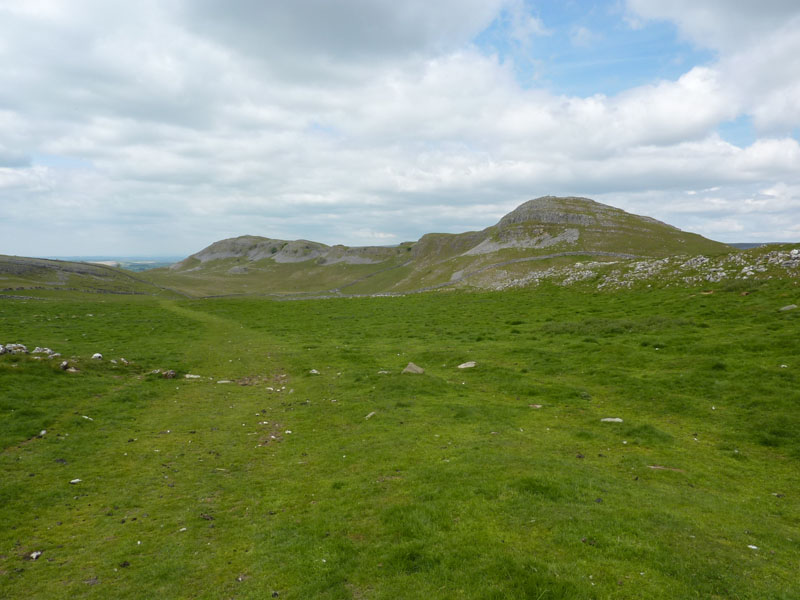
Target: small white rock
(370, 415)
(97, 356)
(74, 481)
(611, 420)
(314, 372)
(36, 554)
(288, 431)
(467, 365)
(752, 547)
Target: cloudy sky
(159, 126)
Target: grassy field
(499, 481)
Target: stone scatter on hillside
(681, 270)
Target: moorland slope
(535, 236)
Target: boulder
(412, 368)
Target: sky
(156, 127)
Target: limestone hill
(19, 274)
(537, 235)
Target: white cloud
(301, 120)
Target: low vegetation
(320, 471)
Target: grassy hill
(18, 274)
(301, 463)
(537, 235)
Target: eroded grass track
(457, 486)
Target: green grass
(456, 487)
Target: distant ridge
(541, 229)
(564, 241)
(748, 245)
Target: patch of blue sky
(590, 47)
(55, 161)
(324, 130)
(739, 132)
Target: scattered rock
(42, 433)
(74, 481)
(789, 307)
(190, 376)
(72, 370)
(579, 455)
(92, 581)
(535, 405)
(611, 420)
(412, 368)
(467, 365)
(224, 381)
(370, 415)
(383, 372)
(124, 564)
(16, 348)
(752, 547)
(97, 356)
(314, 372)
(170, 374)
(35, 554)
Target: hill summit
(533, 235)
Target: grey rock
(170, 374)
(412, 368)
(611, 420)
(467, 365)
(97, 356)
(789, 307)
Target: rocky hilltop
(564, 241)
(540, 230)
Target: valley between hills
(573, 403)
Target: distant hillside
(538, 234)
(20, 273)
